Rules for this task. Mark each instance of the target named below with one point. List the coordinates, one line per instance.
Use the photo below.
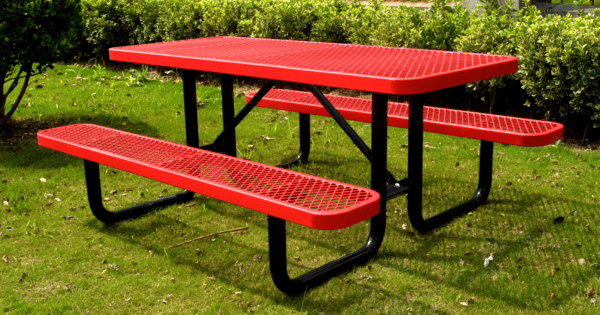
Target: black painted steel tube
(415, 174)
(94, 191)
(277, 233)
(360, 144)
(92, 173)
(220, 141)
(304, 142)
(190, 108)
(227, 100)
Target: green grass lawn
(57, 258)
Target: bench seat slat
(488, 127)
(307, 200)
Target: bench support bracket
(415, 174)
(94, 190)
(92, 172)
(277, 231)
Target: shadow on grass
(26, 153)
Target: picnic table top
(388, 70)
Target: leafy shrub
(33, 35)
(409, 27)
(224, 17)
(493, 32)
(110, 23)
(559, 64)
(284, 19)
(182, 19)
(332, 21)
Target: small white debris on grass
(43, 180)
(48, 195)
(486, 262)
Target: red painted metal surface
(307, 200)
(389, 70)
(495, 128)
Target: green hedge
(558, 57)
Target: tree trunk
(5, 116)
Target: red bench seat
(307, 200)
(487, 127)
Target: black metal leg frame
(382, 180)
(276, 226)
(92, 174)
(413, 185)
(415, 174)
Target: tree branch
(12, 110)
(205, 236)
(16, 82)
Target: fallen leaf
(471, 300)
(559, 220)
(112, 192)
(5, 258)
(520, 258)
(552, 296)
(457, 164)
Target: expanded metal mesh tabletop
(308, 200)
(389, 70)
(489, 127)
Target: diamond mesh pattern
(303, 191)
(390, 62)
(489, 127)
(341, 65)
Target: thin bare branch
(16, 82)
(205, 236)
(18, 100)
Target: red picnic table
(382, 71)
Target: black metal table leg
(415, 174)
(223, 141)
(92, 174)
(304, 142)
(229, 144)
(277, 233)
